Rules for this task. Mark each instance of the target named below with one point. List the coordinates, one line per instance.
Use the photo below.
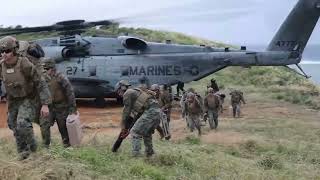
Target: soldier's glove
(124, 133)
(51, 122)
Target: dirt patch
(220, 137)
(105, 121)
(3, 115)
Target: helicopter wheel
(100, 102)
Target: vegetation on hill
(275, 82)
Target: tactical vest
(235, 97)
(213, 101)
(141, 101)
(194, 107)
(16, 84)
(57, 94)
(165, 98)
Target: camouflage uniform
(165, 100)
(180, 86)
(211, 107)
(236, 99)
(34, 52)
(22, 80)
(143, 107)
(63, 100)
(183, 105)
(193, 112)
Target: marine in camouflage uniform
(193, 112)
(211, 108)
(34, 53)
(63, 98)
(236, 99)
(22, 82)
(141, 105)
(156, 89)
(165, 100)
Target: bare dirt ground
(106, 120)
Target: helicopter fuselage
(105, 61)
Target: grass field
(273, 140)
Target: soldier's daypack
(35, 50)
(74, 129)
(141, 101)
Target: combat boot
(168, 137)
(23, 155)
(33, 146)
(149, 153)
(66, 145)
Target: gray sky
(231, 21)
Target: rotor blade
(26, 30)
(102, 23)
(309, 62)
(59, 26)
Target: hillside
(277, 136)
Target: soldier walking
(34, 53)
(211, 108)
(63, 99)
(236, 99)
(22, 82)
(165, 100)
(193, 112)
(180, 87)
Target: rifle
(165, 125)
(123, 134)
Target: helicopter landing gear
(100, 102)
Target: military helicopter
(94, 65)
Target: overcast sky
(230, 21)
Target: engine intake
(133, 43)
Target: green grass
(281, 149)
(274, 82)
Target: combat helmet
(48, 63)
(9, 43)
(124, 83)
(155, 87)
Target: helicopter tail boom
(296, 30)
